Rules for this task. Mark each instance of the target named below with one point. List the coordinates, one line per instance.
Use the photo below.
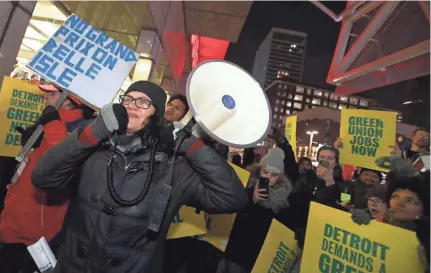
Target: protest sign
(334, 243)
(367, 135)
(20, 106)
(219, 226)
(279, 251)
(85, 61)
(290, 131)
(187, 223)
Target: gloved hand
(112, 118)
(278, 136)
(49, 114)
(360, 216)
(26, 134)
(87, 112)
(397, 165)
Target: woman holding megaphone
(131, 183)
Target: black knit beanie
(154, 92)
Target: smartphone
(324, 163)
(264, 184)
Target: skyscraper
(280, 57)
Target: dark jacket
(250, 229)
(103, 237)
(290, 164)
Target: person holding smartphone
(268, 190)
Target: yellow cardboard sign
(219, 226)
(367, 135)
(334, 243)
(279, 251)
(290, 131)
(20, 106)
(188, 223)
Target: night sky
(322, 37)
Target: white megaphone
(227, 104)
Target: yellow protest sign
(219, 226)
(367, 135)
(279, 251)
(20, 106)
(290, 131)
(334, 243)
(187, 223)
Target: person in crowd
(252, 224)
(236, 160)
(176, 108)
(131, 184)
(362, 184)
(420, 143)
(304, 165)
(366, 180)
(30, 213)
(376, 203)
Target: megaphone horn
(227, 104)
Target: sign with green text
(334, 243)
(366, 135)
(290, 131)
(20, 106)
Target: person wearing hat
(252, 224)
(366, 180)
(131, 183)
(31, 213)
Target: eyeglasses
(376, 201)
(139, 102)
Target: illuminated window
(344, 98)
(342, 106)
(309, 91)
(278, 93)
(285, 87)
(307, 100)
(275, 116)
(334, 97)
(280, 86)
(287, 112)
(363, 103)
(317, 93)
(300, 89)
(281, 110)
(289, 96)
(353, 101)
(297, 105)
(288, 104)
(333, 105)
(277, 101)
(299, 97)
(326, 94)
(276, 109)
(316, 101)
(325, 103)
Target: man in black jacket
(131, 185)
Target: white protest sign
(85, 61)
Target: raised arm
(214, 186)
(58, 166)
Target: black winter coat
(103, 237)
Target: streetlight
(311, 133)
